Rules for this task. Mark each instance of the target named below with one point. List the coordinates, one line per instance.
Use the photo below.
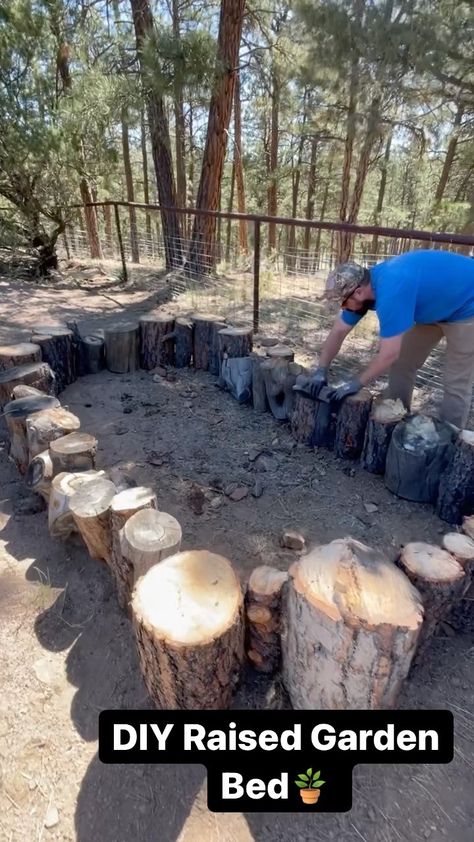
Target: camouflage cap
(343, 281)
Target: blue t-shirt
(420, 287)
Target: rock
(171, 376)
(292, 540)
(239, 493)
(275, 442)
(370, 508)
(120, 429)
(48, 672)
(257, 489)
(254, 453)
(216, 503)
(51, 818)
(229, 489)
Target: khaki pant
(458, 375)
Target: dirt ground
(68, 651)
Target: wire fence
(265, 271)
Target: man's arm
(332, 344)
(388, 353)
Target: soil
(68, 649)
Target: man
(419, 297)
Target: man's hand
(318, 379)
(344, 390)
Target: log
(122, 347)
(415, 474)
(16, 417)
(187, 617)
(91, 352)
(351, 623)
(182, 339)
(22, 391)
(156, 346)
(280, 377)
(439, 579)
(74, 452)
(468, 526)
(44, 427)
(456, 487)
(58, 350)
(90, 508)
(461, 616)
(313, 422)
(259, 392)
(234, 342)
(125, 504)
(281, 352)
(62, 489)
(205, 351)
(20, 354)
(384, 417)
(147, 538)
(351, 425)
(262, 614)
(39, 375)
(39, 475)
(462, 548)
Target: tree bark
(91, 352)
(234, 342)
(206, 348)
(178, 105)
(448, 161)
(381, 194)
(39, 475)
(146, 189)
(90, 508)
(313, 422)
(121, 347)
(147, 538)
(230, 208)
(74, 452)
(155, 346)
(109, 237)
(125, 504)
(311, 193)
(127, 166)
(59, 351)
(238, 165)
(91, 221)
(415, 475)
(46, 425)
(351, 425)
(456, 487)
(272, 193)
(39, 375)
(384, 417)
(262, 616)
(62, 489)
(17, 414)
(20, 354)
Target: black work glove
(344, 390)
(318, 379)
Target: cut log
(261, 341)
(62, 489)
(205, 350)
(313, 422)
(351, 624)
(58, 350)
(90, 508)
(259, 392)
(234, 342)
(414, 473)
(281, 352)
(125, 504)
(262, 612)
(461, 616)
(440, 580)
(147, 538)
(456, 487)
(22, 391)
(91, 352)
(156, 345)
(47, 425)
(121, 347)
(384, 417)
(461, 547)
(351, 425)
(74, 452)
(187, 617)
(468, 526)
(215, 361)
(20, 354)
(280, 377)
(39, 375)
(16, 416)
(39, 475)
(183, 342)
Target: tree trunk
(238, 165)
(46, 426)
(228, 239)
(414, 474)
(190, 183)
(91, 354)
(146, 190)
(160, 140)
(147, 538)
(179, 124)
(90, 508)
(262, 616)
(350, 606)
(311, 193)
(381, 195)
(125, 504)
(39, 475)
(17, 413)
(202, 250)
(74, 452)
(127, 166)
(351, 425)
(313, 422)
(91, 221)
(109, 237)
(448, 161)
(272, 193)
(234, 342)
(122, 347)
(324, 204)
(58, 350)
(187, 617)
(206, 348)
(155, 346)
(456, 487)
(383, 419)
(259, 392)
(39, 375)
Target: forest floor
(69, 651)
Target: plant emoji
(309, 785)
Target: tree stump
(39, 375)
(183, 342)
(351, 622)
(74, 452)
(313, 422)
(16, 417)
(187, 616)
(280, 352)
(234, 342)
(147, 538)
(58, 350)
(91, 352)
(415, 474)
(280, 377)
(456, 487)
(262, 612)
(90, 508)
(205, 353)
(20, 354)
(39, 475)
(259, 392)
(62, 489)
(47, 425)
(156, 343)
(461, 547)
(440, 580)
(22, 391)
(384, 417)
(351, 425)
(122, 347)
(125, 504)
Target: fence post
(120, 241)
(256, 275)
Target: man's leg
(417, 343)
(458, 376)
